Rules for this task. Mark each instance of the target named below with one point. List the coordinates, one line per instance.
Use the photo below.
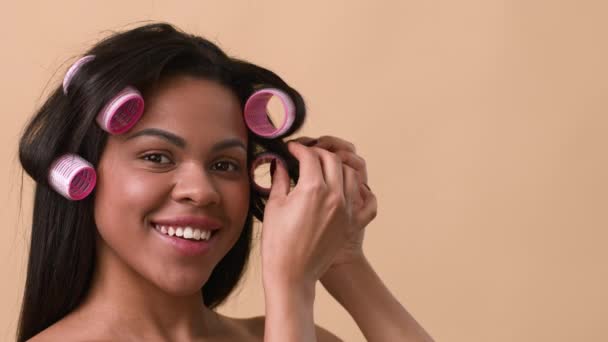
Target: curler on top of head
(72, 177)
(256, 115)
(73, 70)
(122, 112)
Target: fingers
(355, 162)
(307, 141)
(340, 172)
(332, 170)
(310, 165)
(364, 201)
(346, 150)
(280, 181)
(334, 144)
(327, 142)
(351, 188)
(318, 166)
(369, 210)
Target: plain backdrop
(483, 124)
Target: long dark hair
(62, 248)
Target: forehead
(193, 107)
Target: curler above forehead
(256, 114)
(121, 113)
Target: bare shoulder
(44, 336)
(51, 334)
(68, 330)
(255, 325)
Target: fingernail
(312, 142)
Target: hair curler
(121, 112)
(73, 70)
(256, 115)
(72, 177)
(264, 157)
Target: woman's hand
(315, 231)
(364, 205)
(305, 227)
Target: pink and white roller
(121, 113)
(256, 115)
(73, 70)
(72, 177)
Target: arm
(379, 315)
(289, 313)
(302, 229)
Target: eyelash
(146, 156)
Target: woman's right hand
(304, 227)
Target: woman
(111, 267)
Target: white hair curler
(122, 112)
(72, 177)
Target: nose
(193, 185)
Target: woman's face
(183, 165)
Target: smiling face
(183, 164)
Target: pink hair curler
(256, 115)
(72, 177)
(118, 115)
(73, 70)
(122, 112)
(265, 157)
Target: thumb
(280, 179)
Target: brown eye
(226, 165)
(157, 158)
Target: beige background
(483, 124)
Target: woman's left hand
(364, 208)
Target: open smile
(187, 241)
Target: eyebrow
(181, 142)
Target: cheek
(124, 198)
(236, 202)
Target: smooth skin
(143, 290)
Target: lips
(190, 245)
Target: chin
(184, 284)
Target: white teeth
(184, 232)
